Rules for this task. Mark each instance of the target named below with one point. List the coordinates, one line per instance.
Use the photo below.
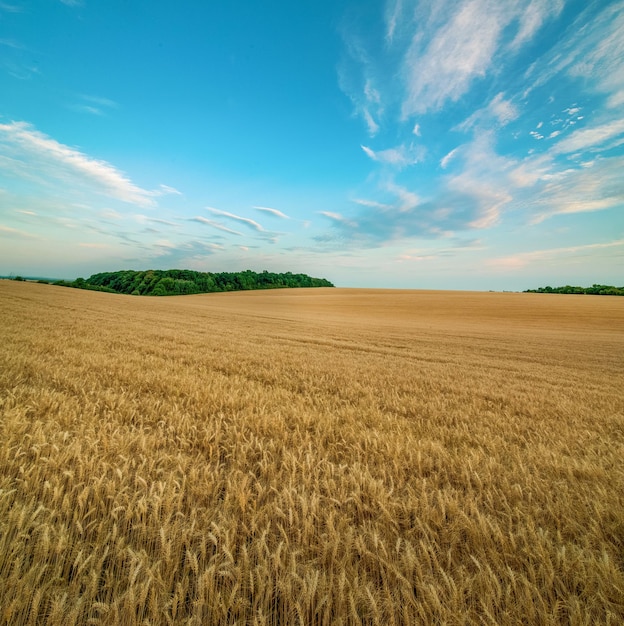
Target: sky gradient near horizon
(452, 144)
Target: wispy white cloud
(572, 176)
(143, 219)
(596, 186)
(217, 225)
(572, 110)
(358, 78)
(100, 101)
(595, 138)
(464, 44)
(369, 153)
(46, 159)
(503, 109)
(393, 15)
(401, 156)
(407, 200)
(442, 48)
(87, 108)
(499, 112)
(371, 203)
(534, 15)
(592, 49)
(373, 127)
(14, 232)
(482, 181)
(372, 95)
(273, 212)
(522, 259)
(213, 246)
(602, 57)
(165, 190)
(95, 105)
(462, 207)
(237, 218)
(339, 218)
(447, 158)
(529, 171)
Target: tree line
(184, 282)
(594, 290)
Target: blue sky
(454, 144)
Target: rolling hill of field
(311, 456)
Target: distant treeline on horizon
(594, 290)
(185, 282)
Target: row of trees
(595, 290)
(180, 282)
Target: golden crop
(326, 456)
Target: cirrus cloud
(238, 218)
(273, 212)
(36, 156)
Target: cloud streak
(47, 159)
(592, 139)
(409, 217)
(597, 186)
(237, 218)
(217, 225)
(401, 156)
(457, 44)
(94, 105)
(273, 212)
(14, 232)
(522, 259)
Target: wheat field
(325, 456)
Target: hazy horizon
(401, 144)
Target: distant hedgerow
(185, 282)
(594, 290)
